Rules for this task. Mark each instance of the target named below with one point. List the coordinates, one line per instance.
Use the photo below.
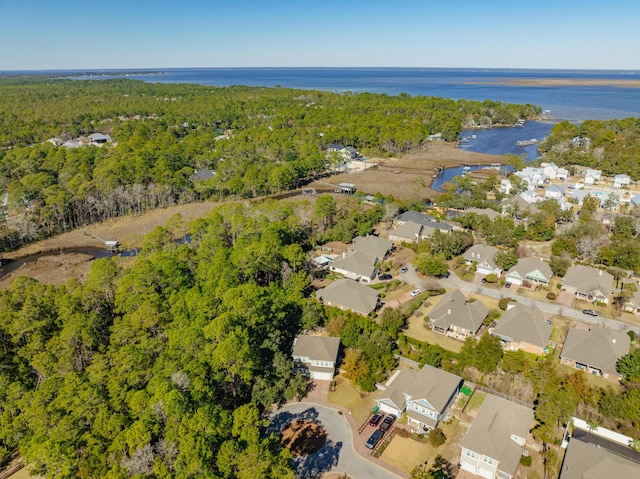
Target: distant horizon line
(161, 69)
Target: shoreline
(560, 82)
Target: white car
(415, 293)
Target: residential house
(457, 317)
(592, 177)
(523, 327)
(202, 175)
(482, 256)
(554, 192)
(357, 265)
(98, 139)
(635, 200)
(534, 177)
(505, 186)
(408, 232)
(578, 195)
(373, 246)
(348, 294)
(562, 174)
(549, 169)
(589, 284)
(584, 460)
(346, 152)
(424, 395)
(316, 356)
(621, 181)
(517, 206)
(495, 441)
(529, 270)
(632, 305)
(595, 351)
(488, 212)
(414, 216)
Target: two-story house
(494, 443)
(482, 256)
(424, 395)
(316, 356)
(455, 316)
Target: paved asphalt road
(454, 281)
(338, 453)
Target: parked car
(590, 312)
(508, 285)
(388, 421)
(375, 438)
(445, 275)
(385, 276)
(415, 293)
(404, 269)
(484, 280)
(375, 419)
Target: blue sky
(73, 34)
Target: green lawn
(359, 403)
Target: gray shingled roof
(320, 348)
(434, 385)
(356, 262)
(587, 280)
(490, 433)
(524, 323)
(453, 309)
(372, 246)
(409, 230)
(527, 265)
(598, 347)
(350, 295)
(588, 461)
(414, 216)
(480, 253)
(394, 394)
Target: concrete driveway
(338, 454)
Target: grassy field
(359, 403)
(406, 453)
(416, 330)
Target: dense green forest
(612, 146)
(258, 140)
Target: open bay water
(575, 103)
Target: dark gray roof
(414, 216)
(597, 347)
(357, 262)
(524, 323)
(490, 434)
(320, 348)
(203, 174)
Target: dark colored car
(384, 276)
(375, 438)
(375, 419)
(508, 285)
(445, 275)
(388, 421)
(484, 280)
(590, 312)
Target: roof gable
(320, 348)
(351, 295)
(524, 323)
(453, 309)
(597, 347)
(435, 386)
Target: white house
(531, 270)
(483, 257)
(495, 441)
(591, 177)
(316, 356)
(622, 180)
(534, 177)
(554, 192)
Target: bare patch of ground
(303, 437)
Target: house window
(470, 454)
(487, 459)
